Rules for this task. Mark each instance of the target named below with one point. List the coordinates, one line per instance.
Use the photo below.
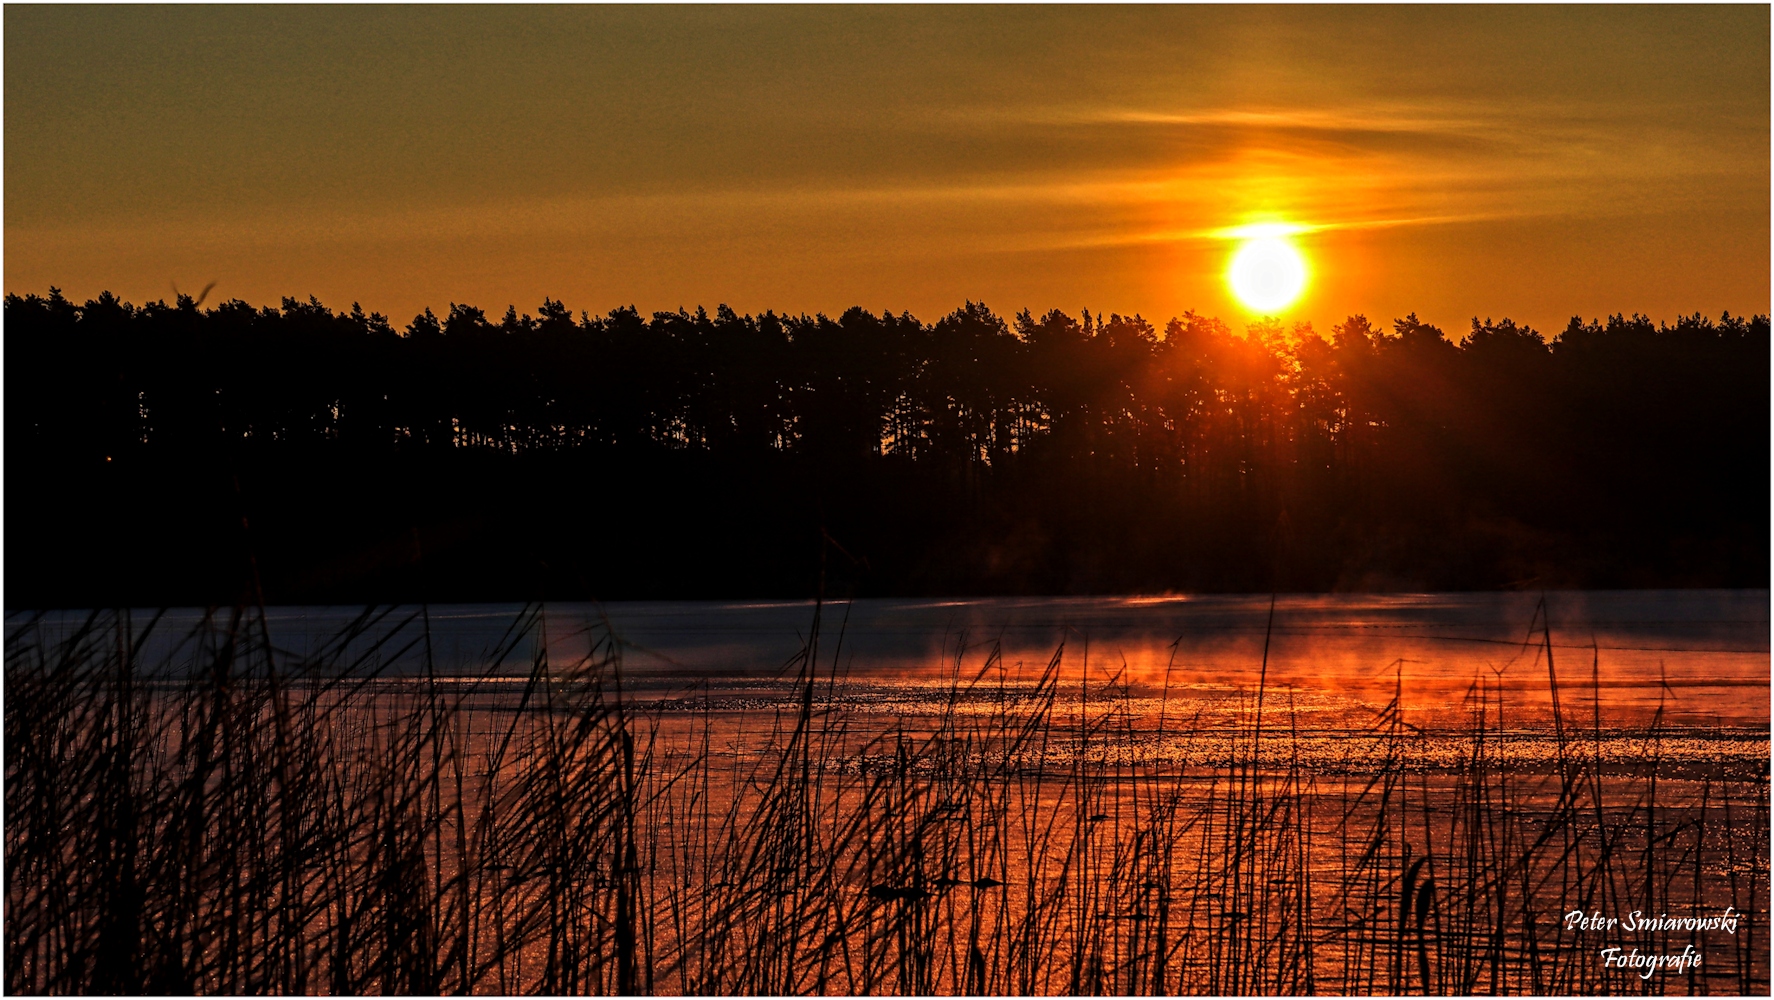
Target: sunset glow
(614, 156)
(1267, 272)
(931, 500)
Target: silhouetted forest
(172, 454)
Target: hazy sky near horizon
(1534, 162)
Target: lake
(1214, 795)
(1702, 654)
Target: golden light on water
(1267, 272)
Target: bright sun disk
(1267, 273)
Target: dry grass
(231, 819)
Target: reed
(226, 817)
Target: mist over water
(1702, 655)
(1195, 770)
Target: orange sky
(1532, 162)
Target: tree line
(690, 454)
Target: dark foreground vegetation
(171, 454)
(226, 818)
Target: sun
(1267, 272)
